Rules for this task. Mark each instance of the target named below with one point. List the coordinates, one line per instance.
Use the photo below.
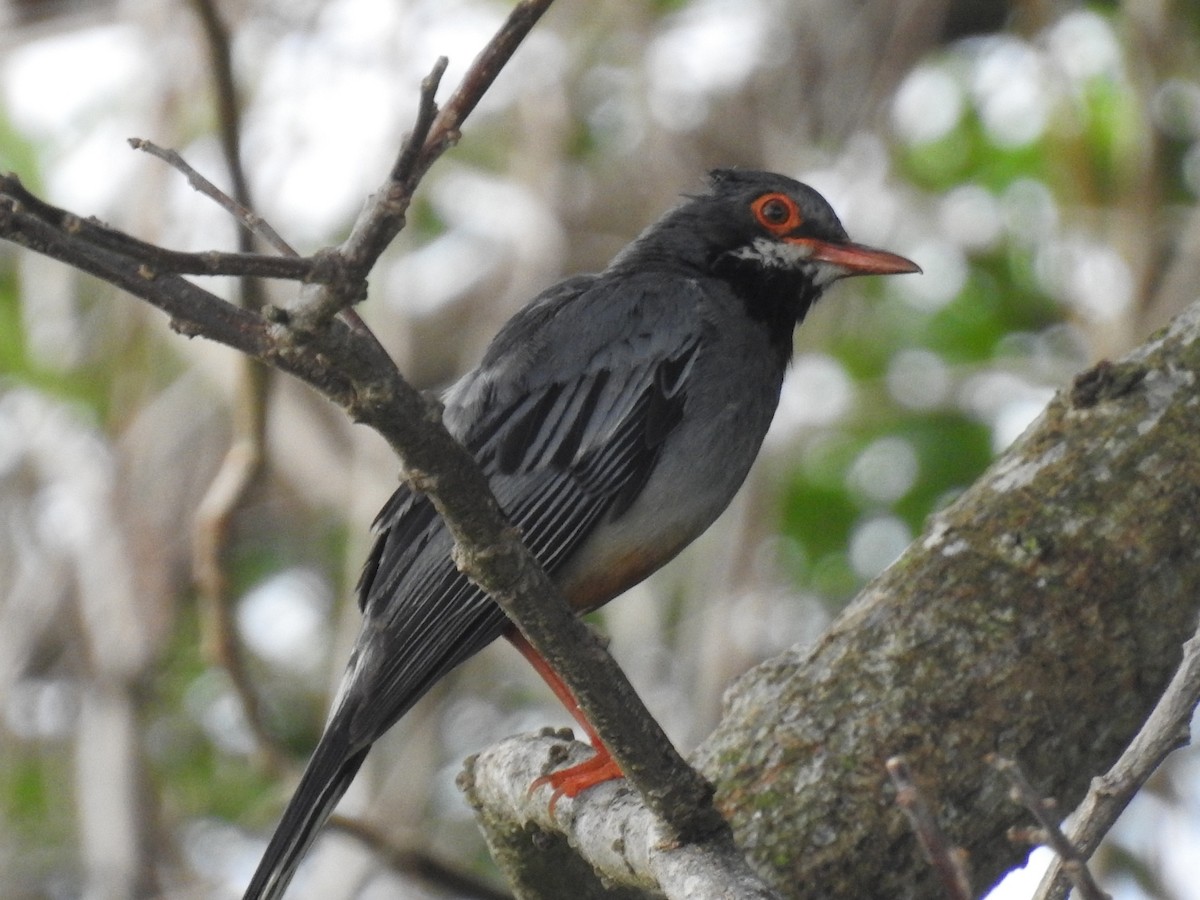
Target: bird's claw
(574, 780)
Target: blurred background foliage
(1041, 160)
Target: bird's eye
(773, 212)
(776, 212)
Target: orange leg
(575, 779)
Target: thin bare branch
(158, 260)
(251, 221)
(486, 66)
(948, 861)
(1167, 728)
(1045, 810)
(427, 111)
(384, 215)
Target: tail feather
(325, 779)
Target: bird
(615, 417)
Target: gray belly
(702, 465)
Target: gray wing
(567, 427)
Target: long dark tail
(325, 779)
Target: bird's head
(776, 241)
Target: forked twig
(1167, 728)
(427, 111)
(1048, 832)
(434, 132)
(251, 221)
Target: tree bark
(1040, 616)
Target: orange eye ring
(777, 213)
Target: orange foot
(574, 780)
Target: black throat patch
(779, 298)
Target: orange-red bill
(857, 259)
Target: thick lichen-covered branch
(1040, 616)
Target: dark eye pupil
(775, 211)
